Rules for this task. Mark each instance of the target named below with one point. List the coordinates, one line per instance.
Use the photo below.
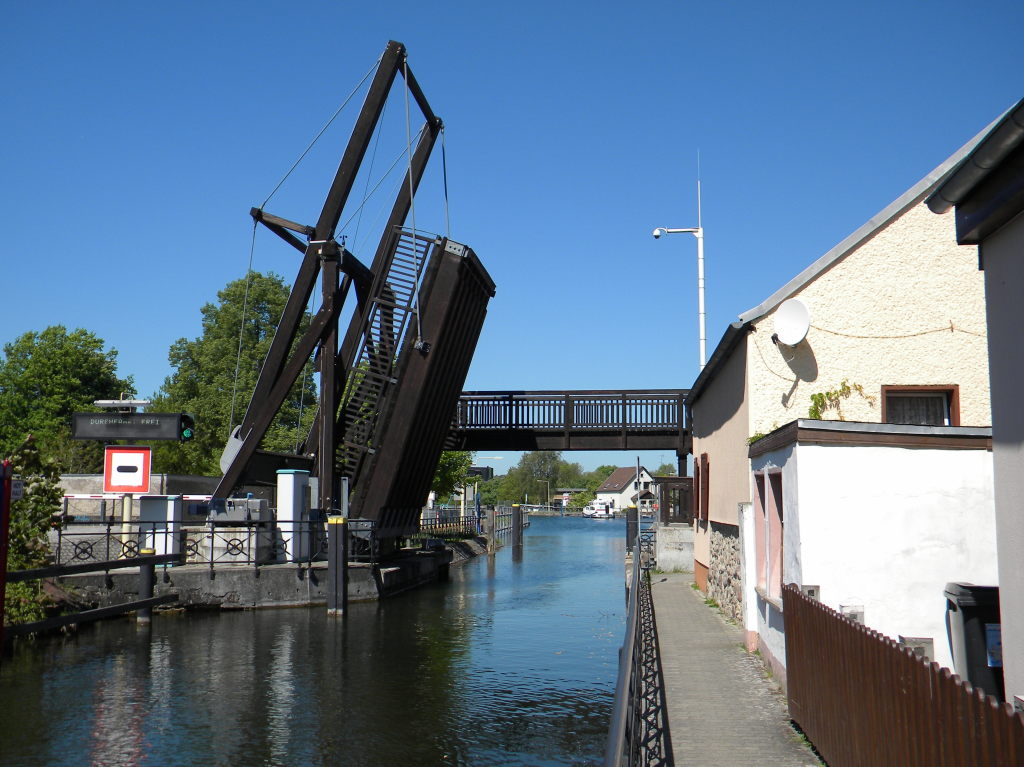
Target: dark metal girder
(269, 219)
(319, 327)
(360, 139)
(399, 211)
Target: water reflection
(506, 663)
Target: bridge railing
(580, 410)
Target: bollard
(147, 576)
(632, 526)
(337, 565)
(517, 533)
(517, 525)
(492, 522)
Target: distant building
(483, 472)
(619, 492)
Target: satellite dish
(792, 320)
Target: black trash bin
(972, 620)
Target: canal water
(512, 661)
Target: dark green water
(508, 663)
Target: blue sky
(137, 136)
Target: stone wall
(725, 583)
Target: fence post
(492, 523)
(337, 565)
(147, 575)
(632, 526)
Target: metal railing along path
(639, 732)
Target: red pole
(5, 519)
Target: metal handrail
(573, 411)
(615, 751)
(639, 730)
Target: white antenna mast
(698, 232)
(700, 274)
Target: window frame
(952, 392)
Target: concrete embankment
(283, 585)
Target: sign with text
(110, 426)
(126, 469)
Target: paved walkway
(722, 711)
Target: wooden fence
(862, 699)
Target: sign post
(126, 470)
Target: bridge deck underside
(555, 439)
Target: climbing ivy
(833, 399)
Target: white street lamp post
(698, 232)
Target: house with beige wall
(987, 192)
(895, 333)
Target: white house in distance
(987, 190)
(618, 491)
(893, 331)
(873, 519)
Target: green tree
(666, 470)
(204, 381)
(45, 378)
(29, 525)
(452, 472)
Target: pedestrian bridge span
(647, 419)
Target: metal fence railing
(255, 543)
(861, 698)
(448, 528)
(639, 732)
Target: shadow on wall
(801, 362)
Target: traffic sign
(126, 469)
(112, 426)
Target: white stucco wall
(1004, 283)
(881, 315)
(887, 528)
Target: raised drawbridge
(389, 386)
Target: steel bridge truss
(364, 425)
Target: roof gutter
(735, 333)
(1006, 135)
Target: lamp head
(659, 232)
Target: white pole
(699, 234)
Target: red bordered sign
(126, 469)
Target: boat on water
(599, 511)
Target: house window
(921, 405)
(768, 533)
(775, 529)
(759, 532)
(705, 486)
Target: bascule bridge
(391, 382)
